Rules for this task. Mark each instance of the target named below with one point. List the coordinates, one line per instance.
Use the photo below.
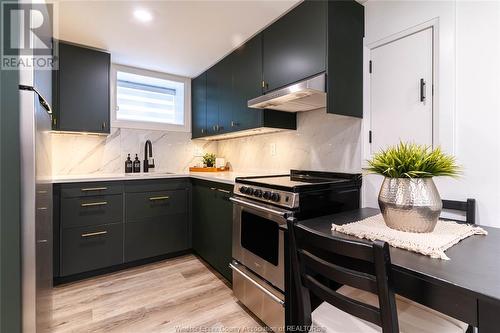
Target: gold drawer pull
(94, 189)
(166, 197)
(90, 204)
(90, 234)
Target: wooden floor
(175, 295)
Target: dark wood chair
(366, 300)
(469, 207)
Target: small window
(149, 100)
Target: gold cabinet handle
(90, 204)
(97, 233)
(166, 197)
(94, 189)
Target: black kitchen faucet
(149, 162)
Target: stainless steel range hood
(306, 95)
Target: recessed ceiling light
(143, 15)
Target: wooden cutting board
(211, 169)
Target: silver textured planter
(410, 204)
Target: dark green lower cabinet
(212, 224)
(144, 219)
(88, 248)
(154, 236)
(120, 222)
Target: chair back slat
(469, 207)
(352, 249)
(318, 260)
(338, 273)
(344, 303)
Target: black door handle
(422, 90)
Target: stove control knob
(257, 193)
(267, 195)
(275, 197)
(243, 189)
(249, 191)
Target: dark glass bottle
(128, 165)
(137, 164)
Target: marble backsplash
(322, 142)
(75, 154)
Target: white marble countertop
(220, 177)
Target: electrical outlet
(273, 149)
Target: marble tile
(321, 142)
(76, 154)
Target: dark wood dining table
(466, 287)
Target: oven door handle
(252, 205)
(255, 283)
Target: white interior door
(401, 91)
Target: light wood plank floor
(167, 296)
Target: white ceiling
(184, 37)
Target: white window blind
(143, 98)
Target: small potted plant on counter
(209, 160)
(408, 198)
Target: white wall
(467, 91)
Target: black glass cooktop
(299, 180)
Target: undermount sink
(148, 173)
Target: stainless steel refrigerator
(36, 199)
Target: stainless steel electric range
(261, 206)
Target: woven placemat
(432, 244)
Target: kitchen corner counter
(219, 177)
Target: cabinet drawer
(153, 204)
(90, 189)
(153, 185)
(87, 211)
(88, 248)
(155, 236)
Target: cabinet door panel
(212, 224)
(154, 236)
(225, 93)
(224, 232)
(203, 210)
(199, 106)
(247, 84)
(212, 100)
(88, 248)
(152, 204)
(83, 89)
(86, 211)
(295, 46)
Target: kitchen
(287, 102)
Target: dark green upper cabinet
(315, 37)
(229, 85)
(225, 91)
(199, 105)
(295, 45)
(81, 90)
(212, 89)
(345, 58)
(247, 84)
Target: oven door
(258, 239)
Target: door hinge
(370, 67)
(369, 136)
